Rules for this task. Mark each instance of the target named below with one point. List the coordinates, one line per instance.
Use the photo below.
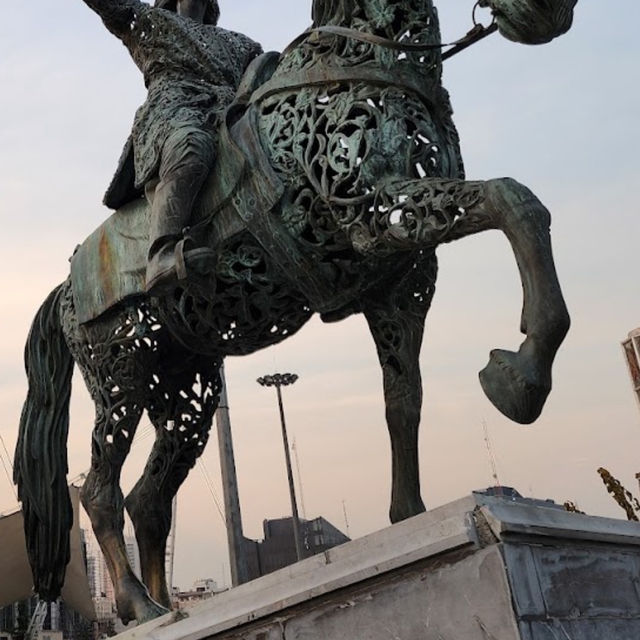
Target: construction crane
(8, 466)
(492, 458)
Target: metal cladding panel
(602, 629)
(587, 591)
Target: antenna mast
(8, 466)
(492, 458)
(346, 520)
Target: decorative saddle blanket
(110, 264)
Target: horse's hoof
(515, 385)
(142, 612)
(150, 611)
(134, 603)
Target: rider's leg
(396, 322)
(187, 158)
(181, 411)
(417, 213)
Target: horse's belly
(252, 306)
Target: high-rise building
(99, 580)
(133, 555)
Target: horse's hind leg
(182, 412)
(397, 326)
(116, 422)
(433, 211)
(108, 354)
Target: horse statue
(339, 174)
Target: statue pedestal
(477, 569)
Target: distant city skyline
(563, 119)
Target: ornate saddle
(109, 266)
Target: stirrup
(183, 256)
(181, 265)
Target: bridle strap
(372, 75)
(399, 78)
(475, 35)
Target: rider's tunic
(191, 71)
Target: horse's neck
(394, 19)
(409, 21)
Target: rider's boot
(174, 256)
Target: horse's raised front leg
(181, 410)
(413, 213)
(102, 498)
(397, 325)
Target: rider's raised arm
(117, 15)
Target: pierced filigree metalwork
(249, 305)
(352, 176)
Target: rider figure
(191, 69)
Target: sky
(562, 118)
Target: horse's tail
(41, 456)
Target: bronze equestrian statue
(338, 174)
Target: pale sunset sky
(562, 118)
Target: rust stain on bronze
(106, 270)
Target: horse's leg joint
(512, 204)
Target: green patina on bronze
(337, 175)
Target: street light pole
(279, 380)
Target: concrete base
(477, 569)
